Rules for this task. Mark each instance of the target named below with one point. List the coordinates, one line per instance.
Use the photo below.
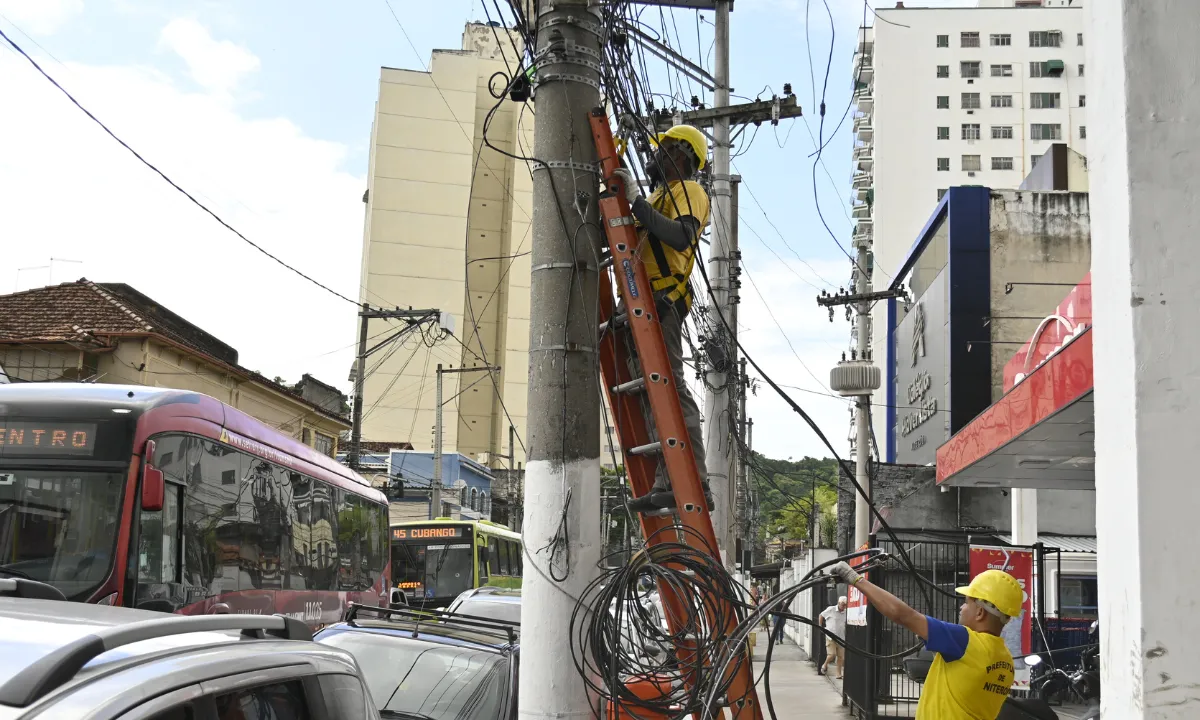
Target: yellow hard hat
(998, 588)
(691, 136)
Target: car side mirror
(154, 486)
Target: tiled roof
(84, 313)
(72, 312)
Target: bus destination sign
(427, 533)
(47, 438)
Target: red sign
(1018, 563)
(1072, 315)
(856, 602)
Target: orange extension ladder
(691, 517)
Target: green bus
(433, 561)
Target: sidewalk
(797, 691)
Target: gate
(880, 688)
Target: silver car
(72, 661)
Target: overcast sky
(262, 110)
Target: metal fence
(880, 688)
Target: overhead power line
(169, 181)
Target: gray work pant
(672, 318)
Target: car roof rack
(32, 589)
(58, 667)
(470, 622)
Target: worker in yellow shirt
(669, 224)
(972, 670)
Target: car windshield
(433, 571)
(409, 677)
(59, 526)
(485, 607)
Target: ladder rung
(606, 262)
(616, 321)
(631, 386)
(662, 512)
(653, 447)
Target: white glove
(631, 186)
(844, 573)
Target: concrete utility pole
(435, 494)
(719, 408)
(858, 377)
(562, 470)
(413, 319)
(435, 503)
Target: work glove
(844, 573)
(631, 186)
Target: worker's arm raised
(890, 606)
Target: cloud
(67, 190)
(217, 65)
(40, 17)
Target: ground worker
(972, 670)
(669, 226)
(833, 618)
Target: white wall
(906, 118)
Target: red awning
(1041, 434)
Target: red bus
(171, 500)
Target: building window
(1079, 597)
(970, 101)
(1079, 39)
(1040, 131)
(323, 444)
(943, 133)
(970, 39)
(1083, 101)
(1002, 71)
(970, 163)
(1083, 132)
(943, 164)
(1080, 69)
(1003, 40)
(1002, 132)
(970, 131)
(943, 102)
(970, 69)
(1045, 38)
(1002, 163)
(941, 193)
(943, 41)
(1002, 101)
(943, 71)
(1045, 101)
(1037, 69)
(1033, 161)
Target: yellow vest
(973, 687)
(685, 198)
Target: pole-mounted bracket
(566, 77)
(566, 165)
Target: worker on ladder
(669, 226)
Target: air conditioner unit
(970, 112)
(971, 174)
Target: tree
(784, 491)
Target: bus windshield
(59, 526)
(438, 570)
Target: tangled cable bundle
(618, 636)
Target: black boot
(663, 500)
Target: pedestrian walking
(972, 669)
(833, 618)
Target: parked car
(73, 660)
(432, 665)
(489, 602)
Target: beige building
(448, 227)
(111, 333)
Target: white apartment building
(448, 227)
(956, 96)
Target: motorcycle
(1083, 683)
